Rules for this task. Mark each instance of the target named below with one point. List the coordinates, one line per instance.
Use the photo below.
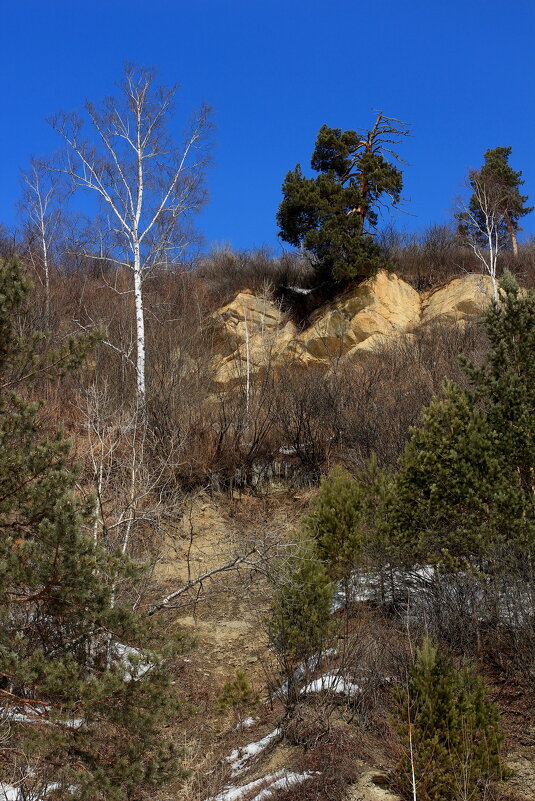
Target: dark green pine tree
(449, 729)
(503, 184)
(79, 718)
(300, 622)
(455, 491)
(333, 216)
(465, 480)
(335, 523)
(505, 385)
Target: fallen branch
(166, 603)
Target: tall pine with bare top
(333, 216)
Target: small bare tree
(42, 212)
(481, 223)
(147, 186)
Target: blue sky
(460, 72)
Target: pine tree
(449, 729)
(300, 621)
(333, 215)
(335, 522)
(465, 480)
(81, 715)
(500, 184)
(455, 491)
(497, 172)
(505, 385)
(238, 695)
(344, 519)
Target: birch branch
(166, 603)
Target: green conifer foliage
(76, 715)
(301, 612)
(300, 622)
(454, 491)
(333, 215)
(335, 522)
(465, 480)
(344, 519)
(505, 385)
(450, 732)
(238, 695)
(503, 183)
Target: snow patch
(299, 290)
(312, 663)
(239, 758)
(332, 683)
(284, 783)
(133, 661)
(233, 793)
(10, 793)
(37, 716)
(246, 723)
(281, 779)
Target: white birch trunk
(140, 332)
(45, 264)
(141, 179)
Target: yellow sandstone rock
(249, 335)
(461, 299)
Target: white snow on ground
(281, 779)
(333, 683)
(37, 716)
(312, 663)
(132, 660)
(233, 793)
(246, 723)
(10, 793)
(300, 290)
(239, 758)
(284, 783)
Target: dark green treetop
(455, 491)
(335, 523)
(505, 384)
(333, 215)
(342, 520)
(300, 621)
(500, 185)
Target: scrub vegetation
(303, 584)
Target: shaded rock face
(250, 335)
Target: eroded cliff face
(250, 333)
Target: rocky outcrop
(250, 333)
(383, 307)
(460, 300)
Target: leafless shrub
(478, 612)
(225, 272)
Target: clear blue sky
(461, 72)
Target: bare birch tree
(147, 186)
(41, 208)
(481, 224)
